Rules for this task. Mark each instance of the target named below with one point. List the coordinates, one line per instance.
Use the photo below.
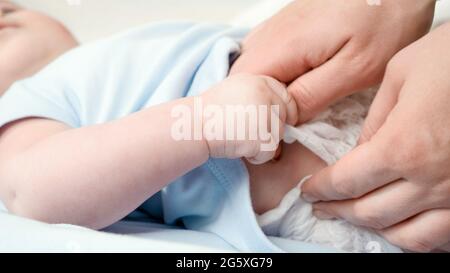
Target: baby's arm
(94, 176)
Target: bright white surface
(23, 235)
(262, 10)
(442, 12)
(91, 19)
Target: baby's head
(29, 40)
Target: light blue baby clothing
(115, 77)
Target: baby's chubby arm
(91, 176)
(94, 176)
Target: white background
(92, 19)
(97, 18)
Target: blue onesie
(115, 77)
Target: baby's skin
(270, 182)
(29, 40)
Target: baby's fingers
(288, 107)
(276, 119)
(263, 156)
(268, 142)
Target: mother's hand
(328, 49)
(398, 179)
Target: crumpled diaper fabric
(330, 136)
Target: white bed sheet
(23, 235)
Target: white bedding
(23, 235)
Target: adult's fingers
(288, 45)
(379, 209)
(272, 56)
(363, 170)
(422, 233)
(384, 102)
(336, 78)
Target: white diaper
(330, 136)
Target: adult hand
(398, 179)
(328, 49)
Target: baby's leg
(270, 182)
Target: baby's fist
(244, 116)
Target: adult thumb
(325, 84)
(319, 87)
(382, 105)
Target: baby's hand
(245, 116)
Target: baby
(28, 41)
(88, 140)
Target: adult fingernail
(322, 215)
(309, 198)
